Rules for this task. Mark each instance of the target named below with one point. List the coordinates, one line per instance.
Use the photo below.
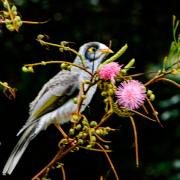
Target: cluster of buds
(87, 133)
(10, 17)
(151, 95)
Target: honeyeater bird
(54, 103)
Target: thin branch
(109, 160)
(170, 81)
(154, 112)
(58, 62)
(56, 158)
(135, 141)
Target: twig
(56, 158)
(57, 62)
(109, 160)
(154, 112)
(135, 141)
(169, 81)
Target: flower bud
(98, 131)
(14, 10)
(149, 92)
(106, 146)
(152, 97)
(84, 135)
(75, 118)
(71, 132)
(5, 4)
(30, 69)
(110, 92)
(80, 141)
(93, 123)
(24, 69)
(155, 113)
(78, 127)
(85, 122)
(10, 27)
(75, 100)
(64, 66)
(93, 138)
(5, 14)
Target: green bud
(104, 132)
(149, 92)
(17, 18)
(84, 135)
(106, 146)
(30, 69)
(75, 100)
(14, 10)
(5, 14)
(40, 36)
(80, 141)
(24, 69)
(10, 27)
(19, 23)
(110, 92)
(86, 128)
(92, 130)
(155, 113)
(93, 123)
(80, 135)
(75, 118)
(98, 131)
(5, 4)
(85, 122)
(8, 21)
(61, 49)
(93, 138)
(110, 86)
(71, 132)
(64, 66)
(68, 67)
(152, 97)
(78, 127)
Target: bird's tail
(19, 149)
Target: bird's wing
(54, 93)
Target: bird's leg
(58, 126)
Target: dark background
(147, 28)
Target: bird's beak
(106, 51)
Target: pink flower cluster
(131, 94)
(109, 71)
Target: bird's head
(93, 54)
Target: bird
(54, 102)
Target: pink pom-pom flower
(131, 94)
(109, 71)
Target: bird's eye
(92, 50)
